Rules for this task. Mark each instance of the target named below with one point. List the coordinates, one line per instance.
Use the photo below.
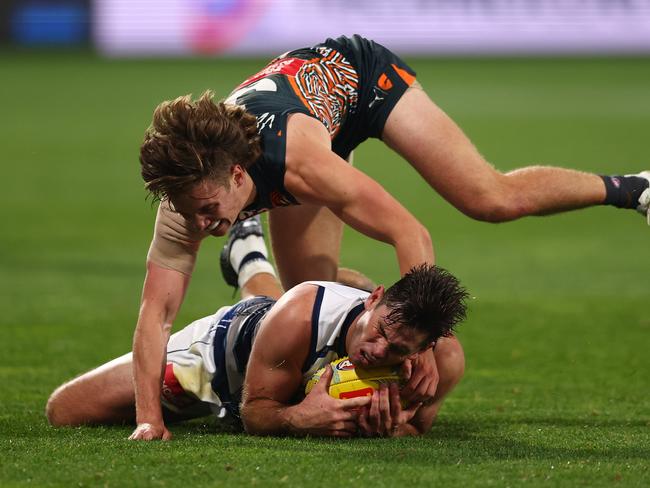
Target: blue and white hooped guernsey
(335, 308)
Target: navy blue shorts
(383, 79)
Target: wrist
(151, 416)
(151, 420)
(290, 420)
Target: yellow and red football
(349, 381)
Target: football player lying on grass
(253, 360)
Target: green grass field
(557, 381)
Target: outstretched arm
(314, 174)
(274, 377)
(161, 298)
(169, 267)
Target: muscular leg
(261, 284)
(355, 279)
(104, 395)
(306, 242)
(437, 148)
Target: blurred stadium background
(556, 390)
(255, 27)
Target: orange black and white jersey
(350, 84)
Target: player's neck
(250, 190)
(353, 331)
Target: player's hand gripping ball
(349, 381)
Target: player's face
(211, 206)
(377, 342)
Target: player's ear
(374, 298)
(237, 174)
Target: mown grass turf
(556, 388)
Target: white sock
(242, 248)
(251, 268)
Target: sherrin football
(349, 381)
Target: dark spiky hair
(428, 299)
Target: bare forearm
(162, 296)
(149, 347)
(268, 417)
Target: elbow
(246, 418)
(52, 412)
(416, 243)
(425, 239)
(250, 427)
(252, 430)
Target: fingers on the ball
(384, 397)
(325, 378)
(374, 410)
(347, 415)
(363, 421)
(384, 407)
(356, 402)
(407, 368)
(395, 406)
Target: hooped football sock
(624, 191)
(249, 256)
(251, 268)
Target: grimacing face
(375, 342)
(211, 206)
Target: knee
(55, 410)
(356, 279)
(496, 205)
(63, 406)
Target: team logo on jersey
(380, 95)
(247, 214)
(345, 365)
(279, 200)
